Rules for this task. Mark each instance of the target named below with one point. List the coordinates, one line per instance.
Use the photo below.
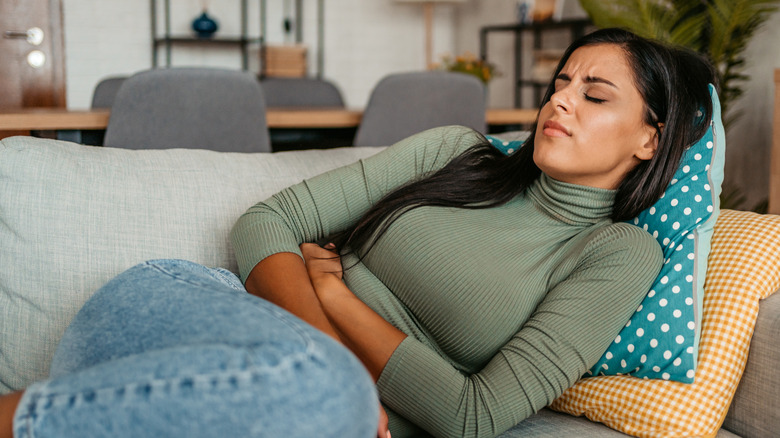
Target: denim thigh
(171, 348)
(164, 303)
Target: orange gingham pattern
(744, 267)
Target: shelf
(545, 25)
(216, 40)
(532, 83)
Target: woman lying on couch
(476, 287)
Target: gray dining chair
(300, 92)
(403, 104)
(105, 91)
(193, 108)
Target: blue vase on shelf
(204, 26)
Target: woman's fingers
(320, 260)
(314, 250)
(382, 429)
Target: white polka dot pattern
(508, 147)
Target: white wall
(364, 40)
(470, 18)
(367, 39)
(103, 38)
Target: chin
(540, 163)
(543, 152)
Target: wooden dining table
(68, 123)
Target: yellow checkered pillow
(744, 267)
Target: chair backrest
(406, 103)
(105, 91)
(193, 108)
(297, 92)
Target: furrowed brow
(599, 80)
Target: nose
(561, 101)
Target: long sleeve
(334, 201)
(565, 335)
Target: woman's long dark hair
(673, 84)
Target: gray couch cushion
(755, 410)
(550, 424)
(72, 217)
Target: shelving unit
(168, 40)
(576, 29)
(242, 42)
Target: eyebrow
(588, 79)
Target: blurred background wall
(367, 39)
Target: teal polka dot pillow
(661, 338)
(508, 147)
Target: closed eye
(594, 99)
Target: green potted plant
(468, 63)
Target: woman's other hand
(361, 329)
(322, 263)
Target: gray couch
(72, 217)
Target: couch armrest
(755, 410)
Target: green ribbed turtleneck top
(504, 307)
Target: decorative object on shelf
(468, 63)
(428, 6)
(287, 60)
(288, 23)
(204, 26)
(536, 11)
(525, 11)
(543, 10)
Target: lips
(554, 129)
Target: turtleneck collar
(571, 203)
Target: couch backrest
(73, 216)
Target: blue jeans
(171, 348)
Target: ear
(647, 150)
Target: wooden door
(32, 70)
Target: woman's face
(592, 131)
